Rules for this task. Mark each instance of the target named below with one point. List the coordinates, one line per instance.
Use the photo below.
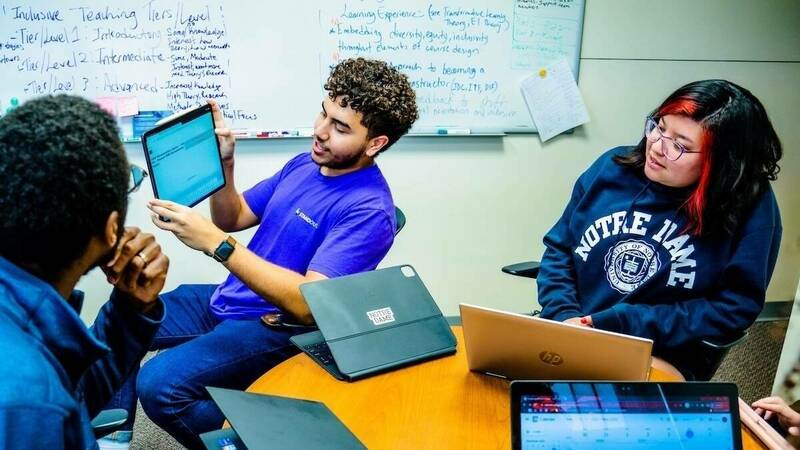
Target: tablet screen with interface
(624, 415)
(183, 158)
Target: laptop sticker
(381, 316)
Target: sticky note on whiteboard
(107, 104)
(127, 106)
(553, 100)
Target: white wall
(475, 204)
(790, 357)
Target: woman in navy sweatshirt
(674, 239)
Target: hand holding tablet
(225, 135)
(186, 224)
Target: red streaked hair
(735, 127)
(695, 204)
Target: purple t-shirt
(332, 225)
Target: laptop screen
(621, 416)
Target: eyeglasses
(673, 149)
(137, 176)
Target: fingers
(155, 269)
(130, 276)
(794, 431)
(165, 210)
(126, 253)
(166, 204)
(166, 226)
(772, 399)
(224, 132)
(216, 113)
(769, 401)
(143, 281)
(770, 408)
(127, 235)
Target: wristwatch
(224, 250)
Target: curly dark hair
(63, 170)
(378, 91)
(740, 151)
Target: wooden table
(439, 404)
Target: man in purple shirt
(325, 214)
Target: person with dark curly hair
(64, 180)
(327, 213)
(674, 239)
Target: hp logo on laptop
(552, 358)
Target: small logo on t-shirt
(629, 264)
(381, 316)
(305, 218)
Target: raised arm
(357, 243)
(229, 210)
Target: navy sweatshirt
(56, 374)
(618, 254)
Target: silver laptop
(518, 347)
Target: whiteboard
(266, 62)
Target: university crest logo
(630, 263)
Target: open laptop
(372, 322)
(516, 346)
(269, 422)
(585, 415)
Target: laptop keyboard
(322, 352)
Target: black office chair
(708, 355)
(400, 218)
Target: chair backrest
(706, 357)
(400, 218)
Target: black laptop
(372, 322)
(604, 415)
(271, 422)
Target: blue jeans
(204, 351)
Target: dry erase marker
(452, 131)
(243, 133)
(271, 134)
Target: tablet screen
(622, 416)
(183, 158)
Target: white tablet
(183, 158)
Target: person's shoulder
(765, 213)
(367, 193)
(372, 188)
(27, 372)
(301, 162)
(605, 166)
(606, 160)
